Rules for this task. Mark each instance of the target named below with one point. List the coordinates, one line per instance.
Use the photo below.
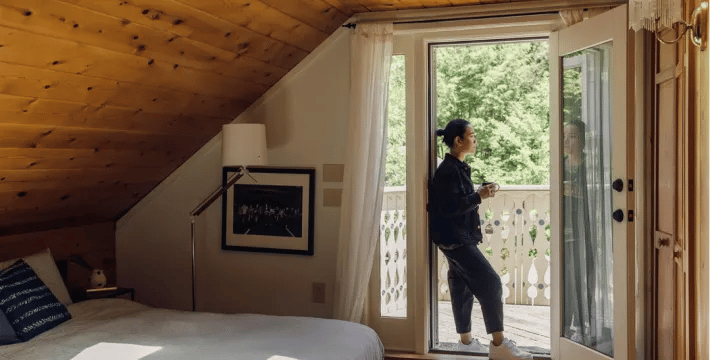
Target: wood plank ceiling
(100, 100)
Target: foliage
(503, 90)
(395, 170)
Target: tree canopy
(503, 90)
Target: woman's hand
(487, 191)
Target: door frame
(415, 37)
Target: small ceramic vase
(98, 279)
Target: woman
(579, 265)
(456, 229)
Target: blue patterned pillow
(27, 302)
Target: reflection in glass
(587, 266)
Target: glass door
(591, 304)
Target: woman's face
(572, 143)
(467, 143)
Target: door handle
(618, 185)
(618, 215)
(664, 242)
(662, 239)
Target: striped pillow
(28, 304)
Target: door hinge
(631, 184)
(631, 216)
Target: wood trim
(698, 181)
(691, 195)
(399, 355)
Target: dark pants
(470, 274)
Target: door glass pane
(393, 222)
(587, 266)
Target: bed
(116, 328)
(122, 329)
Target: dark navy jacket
(453, 204)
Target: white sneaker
(474, 346)
(507, 351)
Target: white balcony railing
(515, 240)
(393, 252)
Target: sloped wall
(306, 119)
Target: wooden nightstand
(107, 292)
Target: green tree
(503, 90)
(395, 170)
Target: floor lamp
(242, 145)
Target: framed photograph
(269, 211)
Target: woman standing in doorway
(456, 230)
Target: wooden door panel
(666, 178)
(669, 203)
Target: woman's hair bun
(440, 132)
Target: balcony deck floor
(528, 326)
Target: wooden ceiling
(100, 100)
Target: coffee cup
(495, 188)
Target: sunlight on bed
(110, 351)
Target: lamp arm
(218, 192)
(77, 259)
(202, 207)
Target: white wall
(306, 118)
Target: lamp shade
(243, 144)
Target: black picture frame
(269, 211)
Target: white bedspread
(108, 329)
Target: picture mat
(268, 241)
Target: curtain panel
(654, 14)
(370, 57)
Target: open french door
(592, 304)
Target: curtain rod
(352, 25)
(473, 12)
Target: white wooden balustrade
(393, 252)
(516, 228)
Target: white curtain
(596, 114)
(653, 14)
(370, 57)
(571, 17)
